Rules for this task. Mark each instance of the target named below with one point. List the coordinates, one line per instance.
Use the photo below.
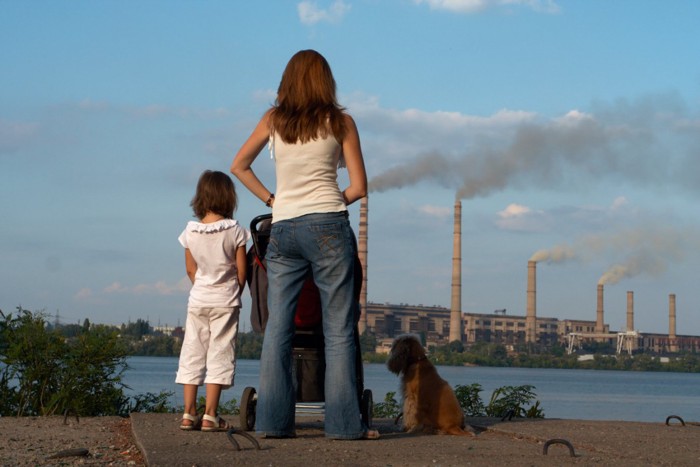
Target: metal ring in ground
(508, 415)
(67, 413)
(249, 437)
(558, 441)
(670, 417)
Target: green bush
(390, 408)
(44, 373)
(506, 401)
(469, 399)
(151, 403)
(511, 401)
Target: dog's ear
(398, 357)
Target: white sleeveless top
(307, 177)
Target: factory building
(386, 321)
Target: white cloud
(159, 110)
(514, 210)
(310, 13)
(89, 104)
(265, 96)
(619, 203)
(517, 217)
(114, 287)
(573, 117)
(156, 288)
(440, 212)
(83, 293)
(441, 120)
(474, 6)
(403, 133)
(14, 135)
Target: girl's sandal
(219, 424)
(370, 434)
(196, 421)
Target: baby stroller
(307, 344)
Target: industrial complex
(441, 325)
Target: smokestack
(599, 324)
(362, 253)
(456, 308)
(531, 316)
(630, 310)
(672, 322)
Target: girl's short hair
(306, 106)
(215, 193)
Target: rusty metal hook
(559, 441)
(670, 417)
(232, 431)
(508, 415)
(68, 412)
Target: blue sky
(570, 130)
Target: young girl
(215, 261)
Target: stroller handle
(254, 230)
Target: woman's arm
(354, 162)
(241, 166)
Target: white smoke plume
(557, 254)
(634, 266)
(647, 250)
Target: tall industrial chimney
(630, 310)
(599, 324)
(362, 253)
(456, 306)
(531, 310)
(673, 347)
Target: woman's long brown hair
(306, 105)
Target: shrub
(506, 401)
(469, 399)
(511, 401)
(390, 408)
(44, 373)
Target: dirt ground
(71, 441)
(155, 440)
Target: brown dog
(429, 403)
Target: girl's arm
(242, 267)
(241, 166)
(354, 162)
(190, 265)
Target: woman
(310, 137)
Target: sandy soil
(71, 441)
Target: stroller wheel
(249, 401)
(366, 407)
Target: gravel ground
(156, 438)
(71, 441)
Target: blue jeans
(326, 244)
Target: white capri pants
(208, 354)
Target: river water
(570, 394)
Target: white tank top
(307, 177)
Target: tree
(136, 330)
